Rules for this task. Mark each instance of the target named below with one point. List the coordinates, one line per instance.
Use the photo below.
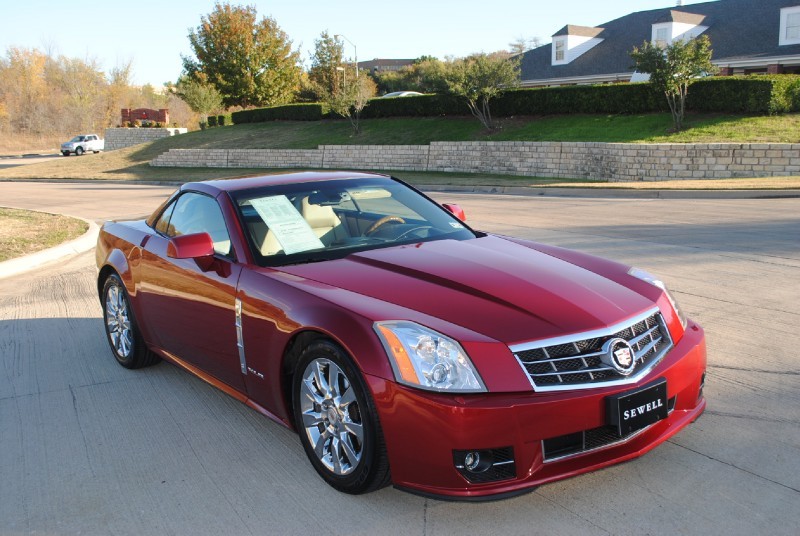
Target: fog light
(472, 460)
(485, 465)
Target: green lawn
(132, 163)
(644, 128)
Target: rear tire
(337, 420)
(122, 331)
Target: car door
(190, 306)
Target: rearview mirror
(190, 246)
(455, 210)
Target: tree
(521, 45)
(426, 75)
(250, 63)
(673, 68)
(481, 77)
(201, 98)
(351, 99)
(326, 63)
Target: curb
(620, 193)
(60, 252)
(530, 191)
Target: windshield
(76, 139)
(315, 221)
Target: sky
(152, 34)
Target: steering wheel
(412, 230)
(383, 221)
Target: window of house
(790, 26)
(793, 26)
(662, 37)
(560, 50)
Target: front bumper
(423, 430)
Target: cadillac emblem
(619, 355)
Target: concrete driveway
(89, 447)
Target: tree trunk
(676, 119)
(481, 112)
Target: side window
(197, 213)
(162, 225)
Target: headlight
(653, 280)
(427, 359)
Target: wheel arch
(117, 263)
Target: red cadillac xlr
(403, 346)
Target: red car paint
(487, 293)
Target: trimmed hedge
(601, 99)
(288, 112)
(416, 106)
(730, 94)
(757, 94)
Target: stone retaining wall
(118, 138)
(602, 161)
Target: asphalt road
(89, 447)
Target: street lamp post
(344, 76)
(355, 50)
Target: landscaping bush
(212, 120)
(288, 112)
(769, 94)
(601, 99)
(417, 106)
(740, 94)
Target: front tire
(122, 331)
(78, 151)
(65, 153)
(337, 420)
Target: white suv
(82, 144)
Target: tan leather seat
(264, 239)
(323, 221)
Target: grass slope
(24, 231)
(133, 163)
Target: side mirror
(190, 246)
(455, 210)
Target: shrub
(417, 106)
(224, 119)
(601, 99)
(742, 94)
(212, 120)
(288, 112)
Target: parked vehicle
(401, 344)
(83, 144)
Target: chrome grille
(575, 362)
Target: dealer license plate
(633, 410)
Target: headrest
(319, 216)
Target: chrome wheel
(331, 416)
(118, 322)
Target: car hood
(489, 285)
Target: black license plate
(633, 410)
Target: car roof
(245, 183)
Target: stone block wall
(599, 161)
(397, 157)
(118, 138)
